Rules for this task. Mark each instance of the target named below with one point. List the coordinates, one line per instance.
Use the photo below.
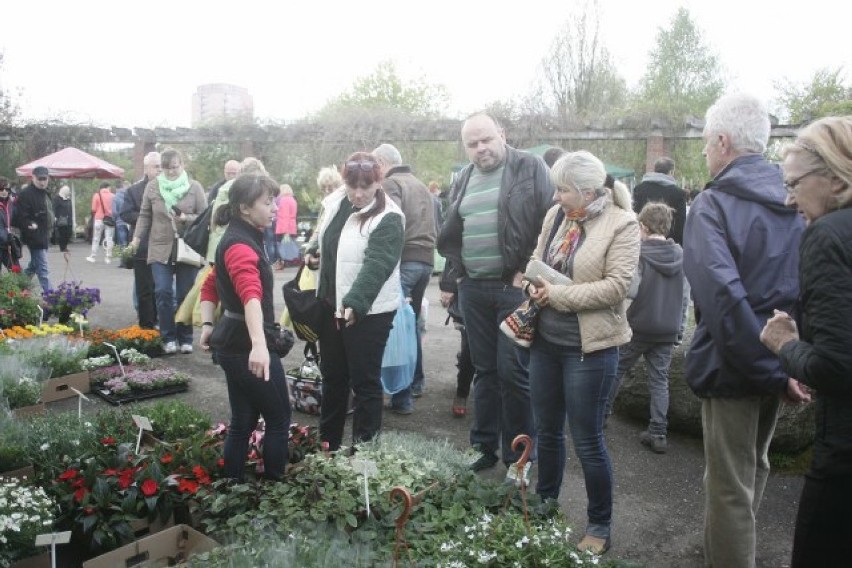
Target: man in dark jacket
(34, 210)
(659, 185)
(418, 252)
(741, 259)
(497, 206)
(146, 307)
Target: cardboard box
(143, 527)
(39, 561)
(26, 472)
(167, 548)
(60, 387)
(29, 411)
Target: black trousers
(146, 306)
(351, 358)
(824, 524)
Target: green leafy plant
(25, 512)
(174, 419)
(61, 355)
(14, 436)
(18, 382)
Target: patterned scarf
(173, 190)
(564, 243)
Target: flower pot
(60, 387)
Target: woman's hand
(540, 292)
(312, 261)
(779, 330)
(204, 341)
(258, 361)
(347, 315)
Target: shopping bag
(189, 312)
(186, 255)
(305, 309)
(400, 357)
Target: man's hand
(134, 244)
(447, 298)
(518, 279)
(312, 261)
(779, 330)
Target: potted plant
(70, 298)
(61, 357)
(125, 256)
(18, 306)
(146, 341)
(25, 511)
(19, 385)
(137, 382)
(14, 438)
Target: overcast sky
(138, 64)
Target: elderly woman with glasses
(818, 177)
(358, 247)
(591, 236)
(170, 204)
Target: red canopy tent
(71, 163)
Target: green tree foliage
(683, 77)
(825, 94)
(385, 89)
(578, 72)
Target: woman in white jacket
(358, 248)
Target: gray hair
(388, 154)
(329, 176)
(252, 166)
(743, 118)
(579, 170)
(151, 158)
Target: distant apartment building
(219, 102)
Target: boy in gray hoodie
(654, 316)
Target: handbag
(305, 309)
(197, 235)
(519, 326)
(400, 357)
(108, 220)
(182, 253)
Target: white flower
(44, 447)
(522, 542)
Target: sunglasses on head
(364, 165)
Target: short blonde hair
(252, 166)
(329, 177)
(827, 144)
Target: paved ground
(658, 499)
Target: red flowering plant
(101, 494)
(303, 440)
(18, 306)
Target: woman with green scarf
(169, 205)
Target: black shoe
(485, 461)
(657, 443)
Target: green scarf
(173, 191)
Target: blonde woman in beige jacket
(591, 236)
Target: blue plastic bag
(400, 357)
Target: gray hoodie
(654, 316)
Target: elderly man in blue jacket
(741, 258)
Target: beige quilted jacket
(603, 268)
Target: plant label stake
(120, 364)
(143, 424)
(40, 315)
(80, 398)
(52, 539)
(366, 468)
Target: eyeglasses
(792, 185)
(42, 178)
(364, 166)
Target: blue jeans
(38, 266)
(414, 277)
(501, 388)
(270, 243)
(658, 358)
(250, 398)
(122, 234)
(171, 279)
(564, 381)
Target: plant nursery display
(69, 298)
(18, 306)
(121, 384)
(25, 511)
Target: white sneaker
(186, 348)
(90, 258)
(170, 347)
